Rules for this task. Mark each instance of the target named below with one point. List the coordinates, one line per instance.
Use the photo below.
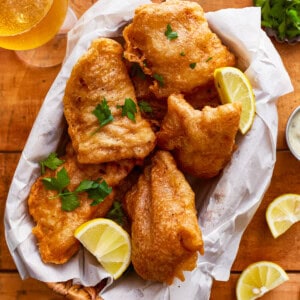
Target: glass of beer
(31, 28)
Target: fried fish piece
(101, 75)
(173, 43)
(55, 227)
(165, 234)
(202, 141)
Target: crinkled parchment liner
(225, 204)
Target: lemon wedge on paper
(233, 86)
(259, 278)
(108, 242)
(282, 213)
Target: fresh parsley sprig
(283, 16)
(97, 191)
(116, 213)
(129, 109)
(145, 106)
(52, 162)
(170, 34)
(103, 113)
(159, 78)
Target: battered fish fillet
(202, 141)
(165, 234)
(178, 64)
(55, 228)
(101, 74)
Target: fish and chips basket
(225, 204)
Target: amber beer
(32, 26)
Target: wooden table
(22, 90)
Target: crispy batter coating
(202, 141)
(183, 63)
(55, 228)
(165, 234)
(101, 74)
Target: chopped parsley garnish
(103, 113)
(182, 53)
(69, 200)
(116, 213)
(193, 65)
(210, 58)
(52, 162)
(145, 106)
(129, 109)
(160, 79)
(170, 34)
(136, 71)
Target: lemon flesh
(259, 278)
(282, 213)
(108, 242)
(233, 86)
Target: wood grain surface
(22, 90)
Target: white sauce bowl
(292, 133)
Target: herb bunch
(282, 16)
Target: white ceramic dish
(290, 123)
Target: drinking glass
(36, 29)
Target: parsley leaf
(145, 106)
(69, 201)
(128, 109)
(170, 34)
(99, 192)
(210, 58)
(282, 16)
(52, 162)
(116, 213)
(160, 79)
(182, 53)
(103, 113)
(57, 183)
(193, 65)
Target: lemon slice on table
(282, 213)
(233, 86)
(108, 242)
(259, 278)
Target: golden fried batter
(101, 74)
(55, 228)
(179, 64)
(202, 141)
(165, 234)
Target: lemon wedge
(233, 86)
(259, 278)
(108, 242)
(282, 213)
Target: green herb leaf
(99, 192)
(160, 79)
(69, 201)
(129, 109)
(145, 106)
(182, 53)
(52, 162)
(210, 58)
(103, 113)
(170, 34)
(57, 183)
(193, 65)
(116, 213)
(282, 16)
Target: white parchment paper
(225, 204)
